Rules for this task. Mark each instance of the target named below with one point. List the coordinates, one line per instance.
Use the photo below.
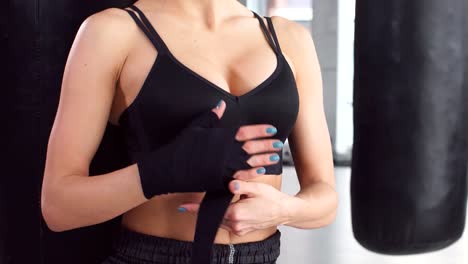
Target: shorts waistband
(136, 245)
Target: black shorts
(133, 247)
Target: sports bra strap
(267, 34)
(272, 29)
(159, 40)
(142, 27)
(147, 28)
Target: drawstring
(232, 250)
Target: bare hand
(264, 206)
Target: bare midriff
(160, 217)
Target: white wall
(345, 72)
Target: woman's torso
(239, 57)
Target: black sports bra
(173, 94)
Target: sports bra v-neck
(173, 94)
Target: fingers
(263, 145)
(193, 208)
(266, 159)
(189, 208)
(237, 220)
(249, 173)
(258, 162)
(233, 220)
(249, 132)
(219, 109)
(236, 227)
(210, 118)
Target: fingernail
(236, 186)
(219, 103)
(181, 209)
(278, 144)
(274, 157)
(261, 170)
(271, 130)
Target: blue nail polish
(274, 157)
(261, 170)
(278, 144)
(236, 186)
(181, 209)
(271, 130)
(219, 103)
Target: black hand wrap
(203, 157)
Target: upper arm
(309, 140)
(87, 90)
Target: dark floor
(335, 243)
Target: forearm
(75, 201)
(313, 206)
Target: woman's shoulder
(109, 17)
(111, 22)
(111, 27)
(289, 31)
(294, 38)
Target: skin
(107, 65)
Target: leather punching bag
(409, 166)
(36, 40)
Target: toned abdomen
(160, 217)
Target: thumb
(210, 118)
(245, 188)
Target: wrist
(290, 206)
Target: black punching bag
(409, 166)
(36, 37)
